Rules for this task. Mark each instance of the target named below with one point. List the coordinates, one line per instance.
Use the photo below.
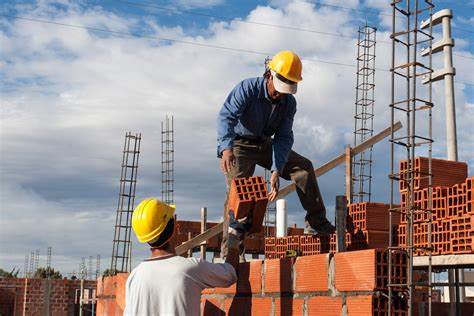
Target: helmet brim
(282, 86)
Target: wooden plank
(342, 157)
(196, 241)
(211, 232)
(348, 174)
(445, 261)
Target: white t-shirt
(173, 285)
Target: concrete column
(451, 138)
(281, 218)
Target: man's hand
(274, 185)
(228, 160)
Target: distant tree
(45, 273)
(11, 274)
(109, 272)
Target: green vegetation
(11, 274)
(45, 273)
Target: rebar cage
(121, 250)
(413, 102)
(364, 112)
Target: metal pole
(203, 229)
(81, 296)
(341, 213)
(190, 251)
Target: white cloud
(71, 94)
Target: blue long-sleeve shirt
(247, 112)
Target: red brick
(248, 306)
(445, 173)
(359, 306)
(285, 306)
(370, 216)
(277, 275)
(367, 270)
(324, 306)
(311, 273)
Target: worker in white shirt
(168, 284)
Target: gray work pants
(299, 169)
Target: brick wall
(35, 296)
(322, 284)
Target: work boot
(325, 228)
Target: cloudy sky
(70, 91)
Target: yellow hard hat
(150, 218)
(287, 65)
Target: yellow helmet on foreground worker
(150, 218)
(286, 70)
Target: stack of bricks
(322, 284)
(249, 195)
(367, 228)
(452, 207)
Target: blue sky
(68, 95)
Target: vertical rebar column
(32, 264)
(415, 104)
(26, 273)
(121, 258)
(364, 112)
(37, 255)
(48, 258)
(90, 273)
(97, 267)
(167, 160)
(83, 269)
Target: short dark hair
(164, 237)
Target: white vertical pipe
(281, 218)
(451, 138)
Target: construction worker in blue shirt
(255, 126)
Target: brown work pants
(299, 169)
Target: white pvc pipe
(281, 218)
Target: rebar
(364, 112)
(416, 105)
(97, 267)
(121, 257)
(48, 258)
(167, 160)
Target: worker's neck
(165, 251)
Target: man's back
(173, 285)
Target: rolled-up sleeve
(283, 139)
(211, 275)
(229, 115)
